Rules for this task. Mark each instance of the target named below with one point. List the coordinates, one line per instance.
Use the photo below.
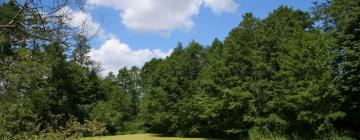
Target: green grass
(145, 136)
(254, 135)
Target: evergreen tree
(345, 17)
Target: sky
(131, 32)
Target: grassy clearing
(139, 137)
(254, 135)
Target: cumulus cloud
(114, 55)
(163, 15)
(81, 20)
(220, 6)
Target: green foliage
(119, 107)
(113, 112)
(345, 16)
(45, 85)
(8, 11)
(281, 77)
(277, 75)
(72, 130)
(168, 86)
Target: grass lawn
(139, 137)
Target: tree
(169, 84)
(344, 15)
(80, 53)
(8, 11)
(124, 79)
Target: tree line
(294, 73)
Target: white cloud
(220, 6)
(114, 55)
(83, 21)
(163, 15)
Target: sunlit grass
(139, 137)
(253, 135)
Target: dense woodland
(294, 74)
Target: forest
(294, 74)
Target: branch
(7, 26)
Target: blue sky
(207, 24)
(134, 31)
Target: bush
(73, 130)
